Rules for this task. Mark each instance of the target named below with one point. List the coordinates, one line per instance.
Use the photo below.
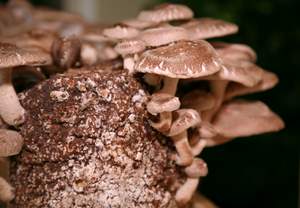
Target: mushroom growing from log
(11, 143)
(244, 118)
(184, 119)
(11, 56)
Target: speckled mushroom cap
(12, 56)
(120, 32)
(163, 35)
(130, 47)
(204, 28)
(166, 12)
(183, 59)
(235, 51)
(245, 118)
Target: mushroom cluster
(193, 82)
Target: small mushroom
(194, 171)
(6, 191)
(11, 56)
(205, 28)
(11, 143)
(88, 54)
(166, 12)
(183, 120)
(180, 60)
(162, 104)
(163, 35)
(269, 80)
(66, 51)
(129, 50)
(244, 118)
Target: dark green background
(260, 171)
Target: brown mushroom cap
(235, 51)
(242, 118)
(11, 143)
(243, 72)
(12, 56)
(163, 35)
(166, 12)
(269, 80)
(183, 59)
(161, 102)
(184, 119)
(130, 47)
(120, 32)
(205, 28)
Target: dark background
(261, 171)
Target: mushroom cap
(130, 47)
(166, 12)
(186, 118)
(12, 56)
(243, 72)
(120, 32)
(163, 35)
(139, 24)
(6, 191)
(205, 28)
(199, 100)
(197, 169)
(183, 59)
(162, 102)
(243, 118)
(269, 80)
(11, 143)
(235, 51)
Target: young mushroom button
(186, 118)
(11, 56)
(162, 104)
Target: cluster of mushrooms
(192, 81)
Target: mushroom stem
(11, 110)
(170, 85)
(4, 167)
(128, 63)
(218, 88)
(198, 148)
(6, 191)
(185, 154)
(185, 193)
